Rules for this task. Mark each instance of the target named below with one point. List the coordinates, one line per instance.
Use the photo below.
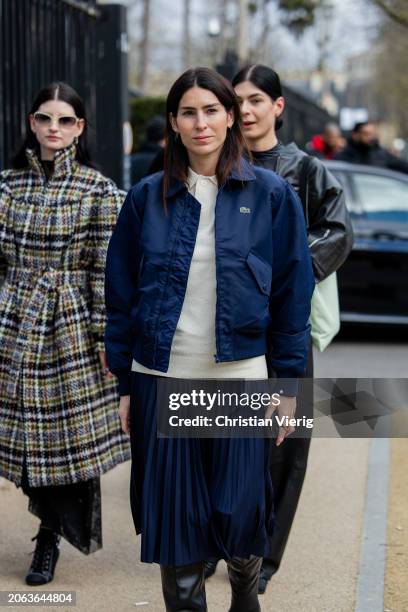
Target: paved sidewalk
(318, 574)
(396, 572)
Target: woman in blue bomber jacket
(208, 276)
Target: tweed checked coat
(58, 412)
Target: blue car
(373, 282)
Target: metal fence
(42, 41)
(302, 118)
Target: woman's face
(55, 126)
(259, 112)
(202, 123)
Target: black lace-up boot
(45, 557)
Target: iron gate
(46, 40)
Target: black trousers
(288, 468)
(73, 511)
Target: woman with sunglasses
(205, 278)
(59, 430)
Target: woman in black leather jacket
(330, 240)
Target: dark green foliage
(141, 110)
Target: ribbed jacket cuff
(288, 386)
(100, 346)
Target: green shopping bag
(325, 312)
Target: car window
(344, 182)
(382, 196)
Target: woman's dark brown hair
(175, 155)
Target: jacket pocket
(262, 272)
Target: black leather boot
(184, 587)
(209, 567)
(268, 569)
(45, 557)
(243, 575)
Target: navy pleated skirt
(193, 498)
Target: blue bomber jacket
(263, 267)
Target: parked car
(373, 282)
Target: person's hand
(124, 413)
(104, 364)
(286, 408)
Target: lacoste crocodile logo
(244, 210)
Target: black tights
(72, 510)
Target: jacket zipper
(326, 233)
(217, 274)
(277, 165)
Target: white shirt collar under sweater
(193, 178)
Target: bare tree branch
(399, 16)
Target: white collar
(193, 177)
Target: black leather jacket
(329, 226)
